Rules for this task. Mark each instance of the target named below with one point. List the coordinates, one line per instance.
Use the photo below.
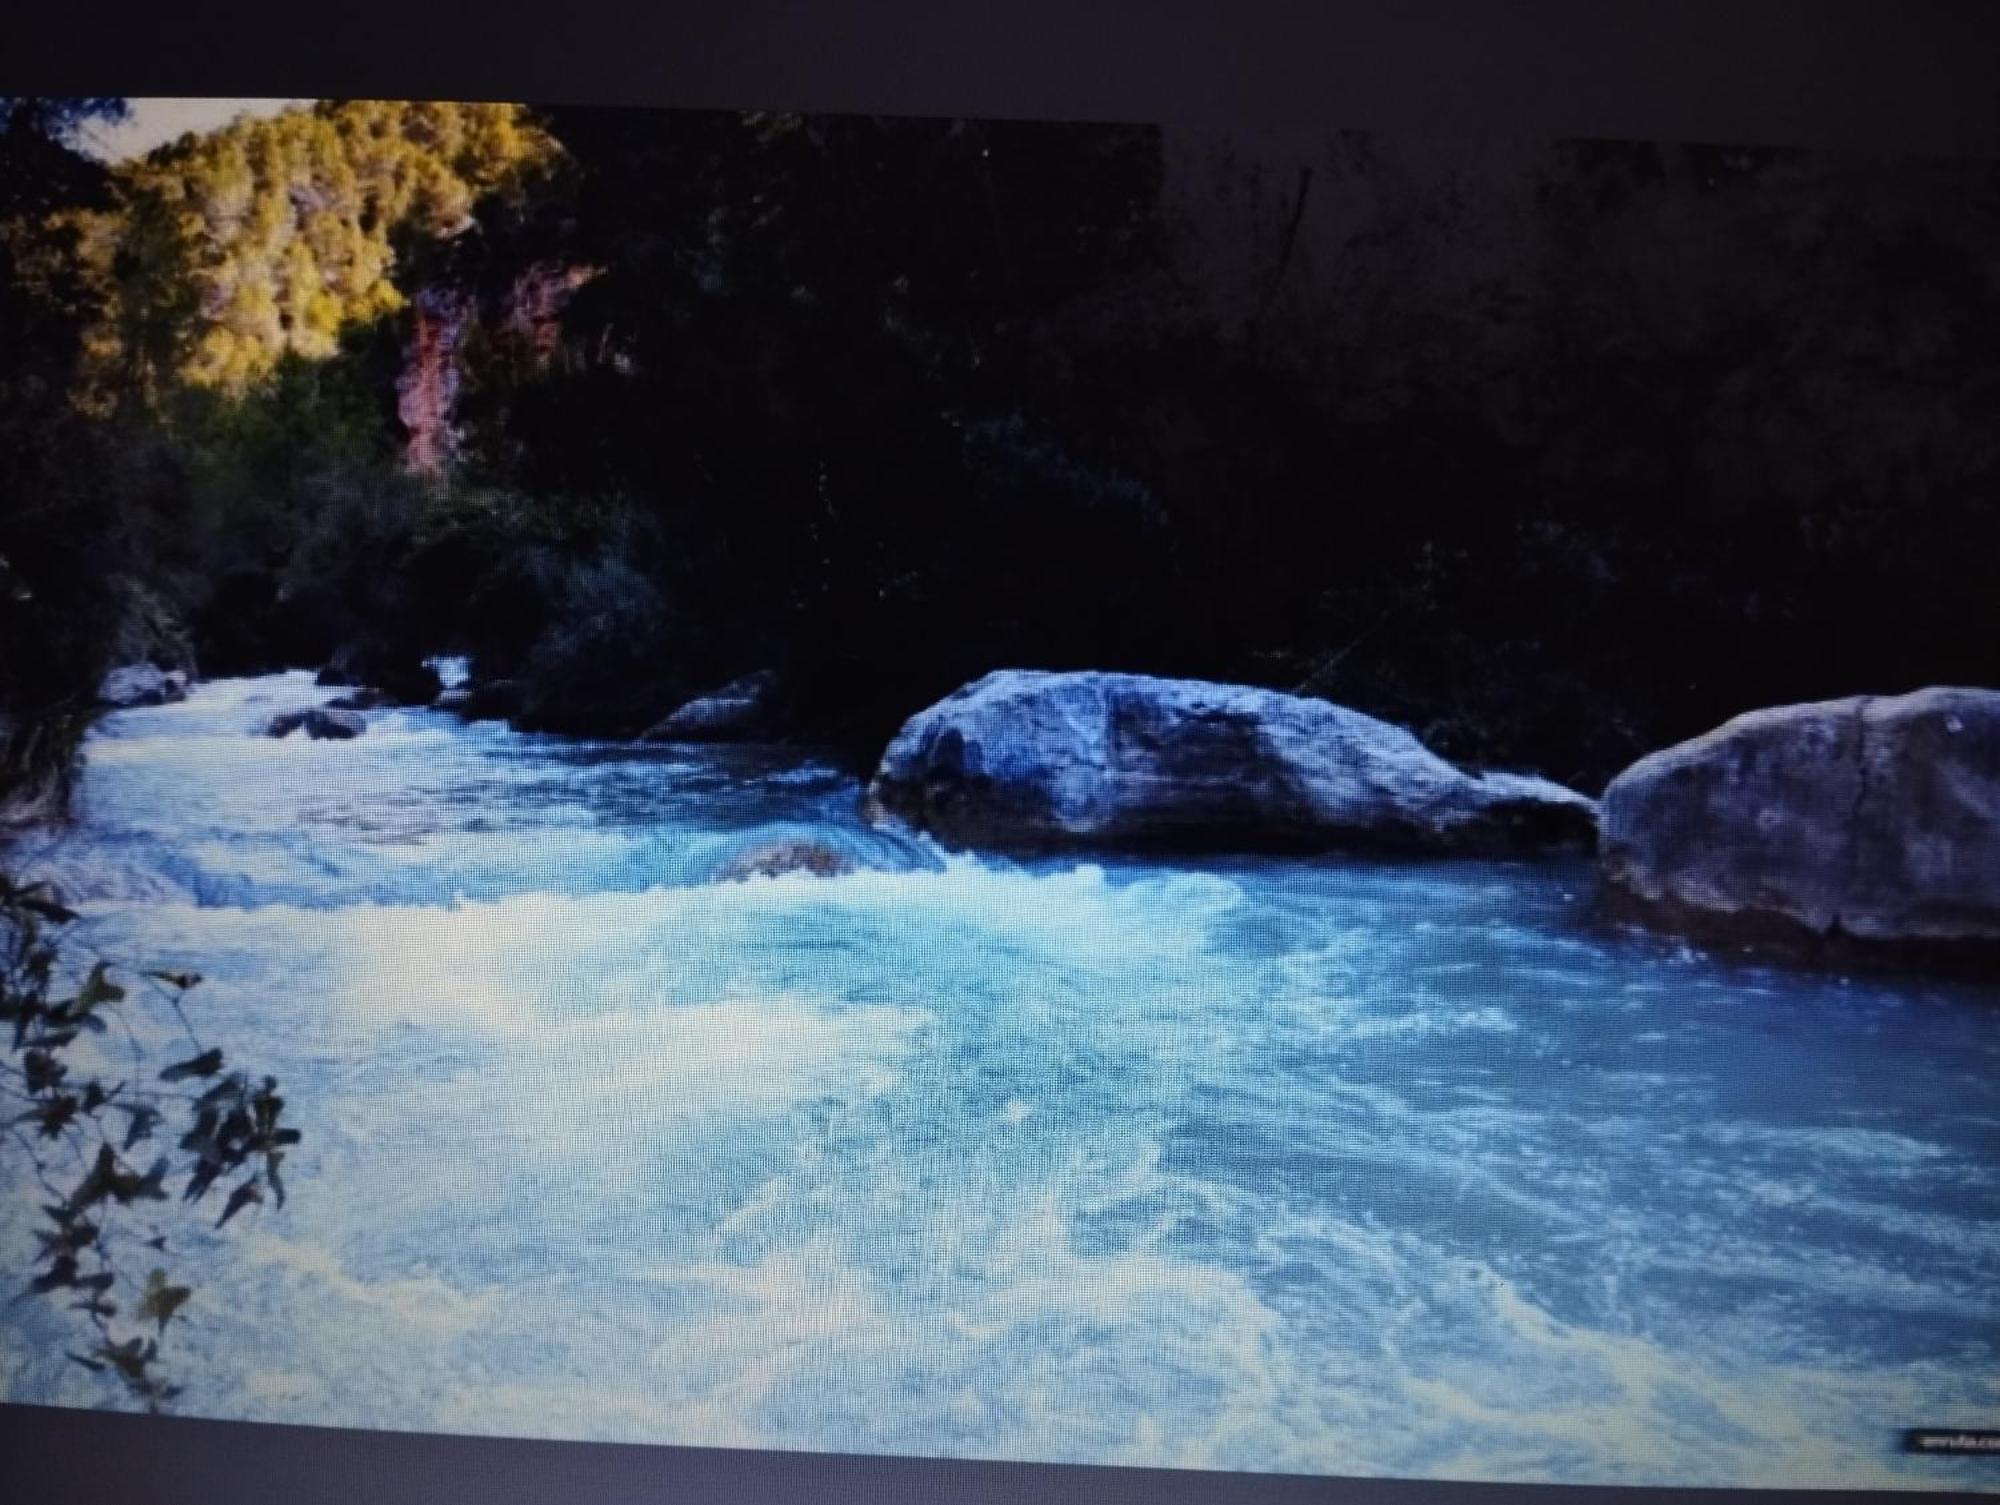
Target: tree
(55, 521)
(286, 226)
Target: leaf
(91, 1364)
(54, 1116)
(181, 980)
(42, 1070)
(62, 1272)
(96, 1184)
(235, 1133)
(97, 988)
(268, 1106)
(126, 1187)
(152, 1185)
(229, 1086)
(201, 1179)
(72, 1236)
(48, 909)
(207, 1064)
(200, 1136)
(143, 1120)
(161, 1300)
(239, 1199)
(131, 1357)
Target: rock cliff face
(427, 389)
(1868, 819)
(1025, 759)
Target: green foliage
(77, 1104)
(277, 235)
(253, 457)
(58, 538)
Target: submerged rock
(141, 684)
(780, 857)
(321, 723)
(742, 709)
(1026, 759)
(1868, 819)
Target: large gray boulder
(742, 709)
(1869, 819)
(1029, 759)
(141, 684)
(319, 723)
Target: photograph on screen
(1067, 792)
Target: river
(1301, 1165)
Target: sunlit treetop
(287, 226)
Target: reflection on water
(1277, 1164)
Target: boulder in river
(1032, 759)
(318, 722)
(1870, 819)
(141, 684)
(777, 858)
(741, 710)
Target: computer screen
(1050, 792)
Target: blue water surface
(1306, 1165)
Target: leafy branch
(86, 1133)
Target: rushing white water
(1276, 1164)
